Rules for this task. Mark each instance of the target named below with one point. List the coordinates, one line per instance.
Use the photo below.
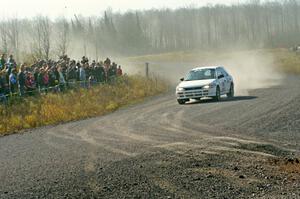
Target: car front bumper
(193, 94)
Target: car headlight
(212, 85)
(179, 89)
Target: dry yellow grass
(283, 59)
(74, 105)
(287, 61)
(291, 168)
(285, 165)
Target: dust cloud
(250, 69)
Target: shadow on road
(223, 99)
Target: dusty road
(241, 148)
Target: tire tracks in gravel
(159, 124)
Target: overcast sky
(55, 8)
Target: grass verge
(77, 104)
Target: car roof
(207, 67)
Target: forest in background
(254, 24)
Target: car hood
(196, 83)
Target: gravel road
(241, 148)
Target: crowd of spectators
(43, 75)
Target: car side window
(224, 72)
(219, 72)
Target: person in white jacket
(82, 76)
(62, 81)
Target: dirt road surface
(247, 147)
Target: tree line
(252, 24)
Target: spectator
(36, 76)
(46, 79)
(2, 61)
(43, 80)
(62, 81)
(99, 73)
(8, 69)
(58, 75)
(119, 71)
(2, 87)
(11, 61)
(78, 66)
(53, 77)
(84, 60)
(112, 72)
(88, 70)
(92, 80)
(13, 82)
(71, 73)
(29, 83)
(107, 62)
(21, 80)
(5, 76)
(82, 76)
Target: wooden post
(147, 69)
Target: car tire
(218, 94)
(231, 91)
(181, 102)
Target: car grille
(193, 93)
(194, 88)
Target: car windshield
(200, 74)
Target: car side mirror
(220, 76)
(181, 79)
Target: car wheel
(218, 94)
(231, 92)
(181, 102)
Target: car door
(221, 80)
(227, 80)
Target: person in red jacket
(119, 71)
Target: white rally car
(212, 81)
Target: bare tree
(44, 28)
(252, 24)
(13, 36)
(41, 44)
(3, 31)
(63, 30)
